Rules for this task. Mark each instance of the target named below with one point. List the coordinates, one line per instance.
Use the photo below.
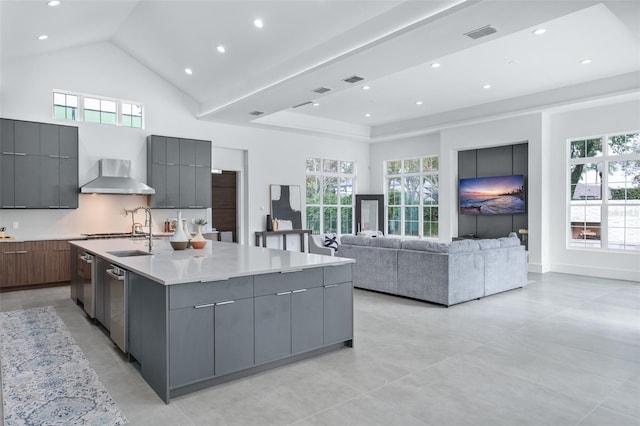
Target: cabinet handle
(290, 271)
(195, 207)
(228, 302)
(8, 207)
(299, 291)
(331, 286)
(8, 153)
(63, 207)
(193, 165)
(20, 153)
(54, 156)
(283, 293)
(9, 252)
(169, 164)
(21, 251)
(66, 157)
(208, 305)
(19, 207)
(54, 207)
(114, 276)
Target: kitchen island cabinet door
(191, 353)
(338, 312)
(306, 319)
(272, 326)
(233, 336)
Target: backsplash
(95, 213)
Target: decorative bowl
(198, 244)
(179, 245)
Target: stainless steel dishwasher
(87, 275)
(116, 281)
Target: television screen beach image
(492, 195)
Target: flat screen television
(492, 195)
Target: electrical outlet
(16, 225)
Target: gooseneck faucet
(148, 222)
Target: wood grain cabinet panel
(34, 263)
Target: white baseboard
(616, 274)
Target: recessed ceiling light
(188, 71)
(258, 23)
(514, 62)
(435, 65)
(221, 49)
(539, 31)
(419, 103)
(486, 86)
(54, 3)
(366, 87)
(585, 61)
(43, 37)
(315, 104)
(367, 115)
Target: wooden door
(224, 202)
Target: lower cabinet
(210, 340)
(338, 312)
(273, 326)
(34, 262)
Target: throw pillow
(331, 242)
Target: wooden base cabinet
(189, 336)
(34, 263)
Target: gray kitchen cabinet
(306, 319)
(191, 355)
(338, 312)
(103, 296)
(188, 186)
(234, 334)
(180, 172)
(39, 165)
(272, 326)
(27, 181)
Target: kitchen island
(196, 318)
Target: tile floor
(563, 351)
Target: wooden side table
(284, 233)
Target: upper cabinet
(180, 172)
(38, 165)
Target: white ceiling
(306, 44)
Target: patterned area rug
(46, 379)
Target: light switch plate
(16, 225)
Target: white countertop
(217, 261)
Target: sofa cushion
(509, 241)
(353, 240)
(382, 242)
(488, 244)
(422, 245)
(463, 245)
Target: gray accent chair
(435, 272)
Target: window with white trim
(411, 197)
(94, 109)
(604, 192)
(330, 185)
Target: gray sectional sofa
(436, 272)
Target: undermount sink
(129, 253)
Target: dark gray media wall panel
(38, 165)
(498, 161)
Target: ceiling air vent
(481, 32)
(256, 113)
(321, 90)
(353, 79)
(302, 104)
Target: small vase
(185, 227)
(198, 241)
(179, 240)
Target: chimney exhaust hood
(114, 178)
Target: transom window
(329, 195)
(411, 194)
(93, 109)
(604, 192)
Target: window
(411, 193)
(330, 201)
(65, 106)
(93, 109)
(131, 115)
(604, 192)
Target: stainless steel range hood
(114, 178)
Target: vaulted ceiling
(589, 50)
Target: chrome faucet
(148, 222)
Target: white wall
(272, 157)
(616, 118)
